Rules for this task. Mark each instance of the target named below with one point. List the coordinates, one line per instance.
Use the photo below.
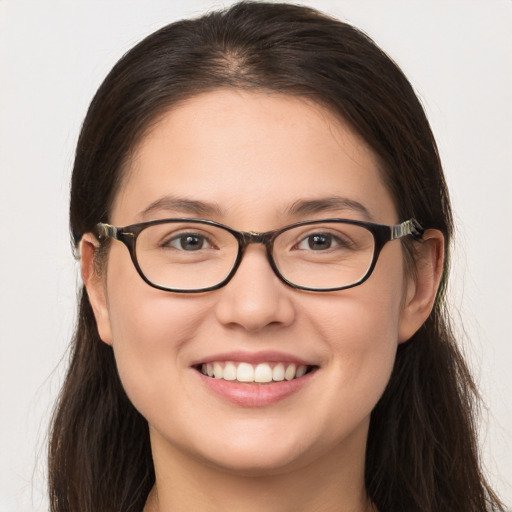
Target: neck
(331, 483)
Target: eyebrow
(327, 204)
(301, 207)
(180, 204)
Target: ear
(95, 285)
(422, 287)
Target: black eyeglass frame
(382, 234)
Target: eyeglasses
(197, 255)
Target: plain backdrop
(53, 56)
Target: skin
(253, 155)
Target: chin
(263, 453)
(258, 463)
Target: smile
(253, 373)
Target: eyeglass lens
(192, 256)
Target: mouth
(248, 373)
(255, 379)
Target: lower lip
(255, 395)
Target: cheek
(149, 329)
(362, 359)
(361, 337)
(360, 332)
(364, 318)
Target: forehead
(251, 154)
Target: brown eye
(318, 242)
(322, 242)
(188, 242)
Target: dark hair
(422, 452)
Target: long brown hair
(422, 452)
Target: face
(244, 159)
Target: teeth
(301, 371)
(263, 373)
(245, 372)
(289, 373)
(278, 372)
(218, 371)
(230, 372)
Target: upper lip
(267, 356)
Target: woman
(252, 332)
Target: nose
(255, 298)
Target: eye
(316, 242)
(188, 242)
(321, 242)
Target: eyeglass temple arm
(106, 231)
(408, 227)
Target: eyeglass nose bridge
(246, 238)
(253, 237)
